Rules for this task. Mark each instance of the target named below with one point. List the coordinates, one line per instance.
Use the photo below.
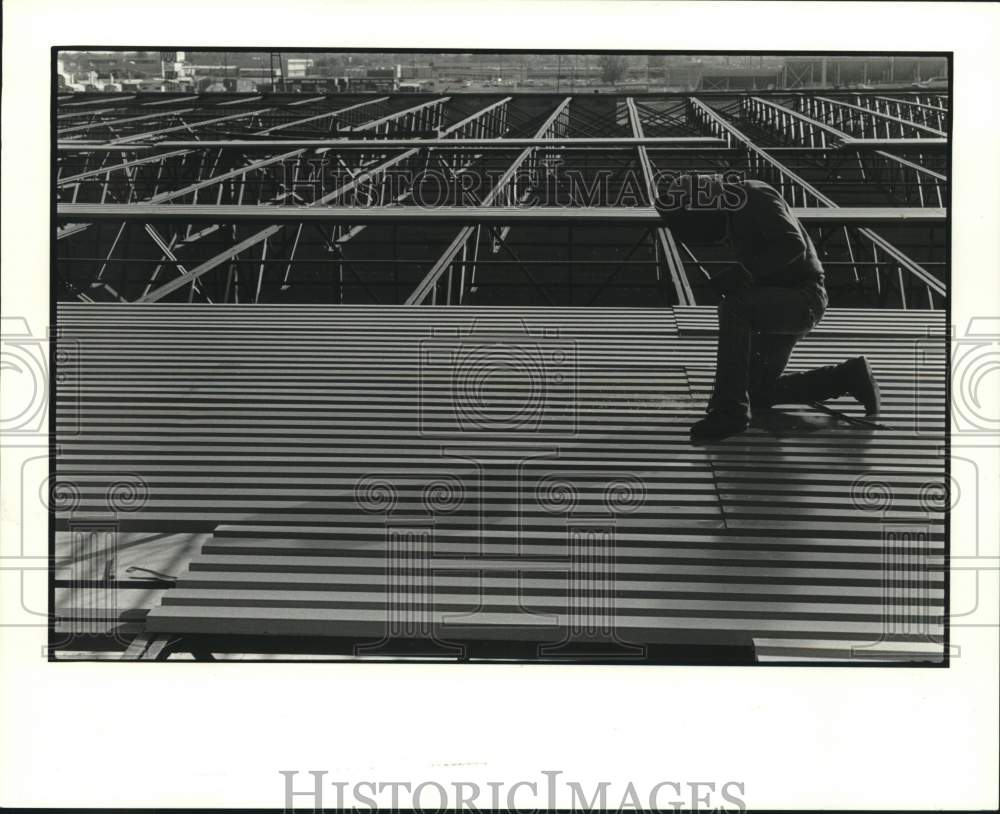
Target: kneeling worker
(772, 297)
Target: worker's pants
(758, 328)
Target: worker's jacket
(769, 241)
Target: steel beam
(174, 194)
(241, 101)
(917, 168)
(307, 101)
(768, 112)
(918, 271)
(78, 113)
(934, 180)
(139, 161)
(668, 247)
(459, 244)
(168, 253)
(270, 231)
(760, 162)
(117, 122)
(478, 115)
(447, 134)
(174, 101)
(428, 286)
(368, 145)
(765, 111)
(332, 114)
(195, 273)
(915, 111)
(909, 103)
(410, 111)
(927, 144)
(112, 100)
(335, 208)
(486, 214)
(170, 195)
(924, 175)
(129, 140)
(816, 101)
(111, 168)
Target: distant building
(263, 72)
(209, 84)
(173, 70)
(298, 68)
(413, 72)
(66, 83)
(365, 84)
(749, 79)
(311, 84)
(240, 85)
(804, 72)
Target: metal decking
(515, 474)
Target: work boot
(860, 382)
(717, 425)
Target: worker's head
(696, 206)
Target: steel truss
(798, 127)
(864, 122)
(459, 259)
(935, 116)
(794, 188)
(279, 196)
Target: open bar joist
(84, 171)
(585, 136)
(88, 168)
(76, 166)
(508, 212)
(932, 115)
(800, 128)
(908, 273)
(200, 188)
(458, 253)
(666, 245)
(447, 277)
(903, 171)
(863, 122)
(471, 121)
(600, 142)
(156, 122)
(259, 180)
(492, 117)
